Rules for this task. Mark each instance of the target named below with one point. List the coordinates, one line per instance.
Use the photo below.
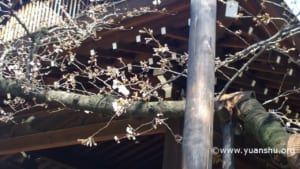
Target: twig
(284, 94)
(240, 71)
(282, 82)
(105, 126)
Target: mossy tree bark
(264, 126)
(95, 103)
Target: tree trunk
(198, 119)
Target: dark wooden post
(228, 161)
(173, 150)
(198, 122)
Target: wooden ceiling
(50, 139)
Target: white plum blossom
(120, 106)
(117, 139)
(131, 134)
(117, 108)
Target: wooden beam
(136, 48)
(232, 43)
(145, 154)
(174, 8)
(172, 149)
(153, 21)
(67, 137)
(173, 34)
(198, 119)
(264, 79)
(279, 70)
(136, 149)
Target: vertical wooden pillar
(228, 160)
(172, 150)
(198, 122)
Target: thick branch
(95, 103)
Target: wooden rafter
(67, 137)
